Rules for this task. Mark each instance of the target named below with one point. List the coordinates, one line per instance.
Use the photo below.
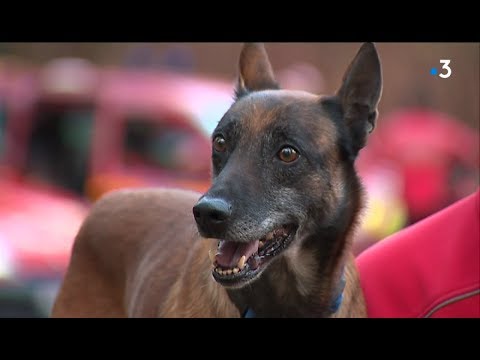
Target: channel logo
(446, 70)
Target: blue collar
(334, 306)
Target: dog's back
(128, 254)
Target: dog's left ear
(255, 71)
(359, 94)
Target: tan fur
(302, 263)
(324, 140)
(260, 115)
(259, 118)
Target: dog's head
(283, 165)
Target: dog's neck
(335, 303)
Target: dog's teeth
(235, 270)
(241, 262)
(260, 244)
(229, 271)
(218, 270)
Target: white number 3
(445, 66)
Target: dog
(272, 235)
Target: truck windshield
(165, 146)
(58, 150)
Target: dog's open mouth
(236, 262)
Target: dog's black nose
(211, 215)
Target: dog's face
(283, 164)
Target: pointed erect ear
(255, 71)
(360, 92)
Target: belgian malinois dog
(272, 235)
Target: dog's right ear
(255, 71)
(360, 93)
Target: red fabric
(425, 188)
(465, 308)
(428, 267)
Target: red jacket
(430, 269)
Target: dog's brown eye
(288, 154)
(219, 144)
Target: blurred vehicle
(91, 130)
(153, 128)
(38, 222)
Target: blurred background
(80, 119)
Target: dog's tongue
(230, 252)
